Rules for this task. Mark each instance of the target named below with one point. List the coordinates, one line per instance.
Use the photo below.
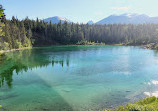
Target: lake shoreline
(12, 50)
(148, 46)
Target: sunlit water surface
(76, 78)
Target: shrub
(148, 104)
(18, 45)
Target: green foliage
(43, 33)
(15, 38)
(148, 104)
(1, 23)
(1, 29)
(18, 45)
(151, 46)
(85, 42)
(1, 12)
(83, 34)
(27, 43)
(16, 35)
(4, 46)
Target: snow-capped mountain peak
(128, 18)
(57, 19)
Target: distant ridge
(56, 19)
(128, 19)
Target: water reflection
(105, 61)
(61, 62)
(22, 61)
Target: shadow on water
(51, 101)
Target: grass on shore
(148, 104)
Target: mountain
(56, 20)
(90, 22)
(128, 19)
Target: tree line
(25, 33)
(44, 33)
(50, 34)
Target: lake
(76, 78)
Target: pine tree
(2, 15)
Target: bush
(148, 104)
(4, 46)
(18, 45)
(27, 43)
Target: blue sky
(77, 10)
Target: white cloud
(120, 8)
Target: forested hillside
(52, 34)
(13, 35)
(25, 33)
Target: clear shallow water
(76, 78)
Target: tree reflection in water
(24, 60)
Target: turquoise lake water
(76, 78)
